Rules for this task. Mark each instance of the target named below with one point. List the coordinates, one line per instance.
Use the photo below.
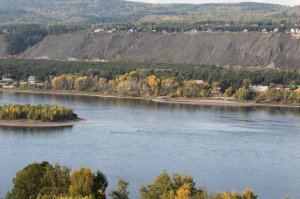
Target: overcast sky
(283, 2)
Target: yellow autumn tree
(169, 86)
(81, 182)
(248, 194)
(235, 195)
(63, 82)
(153, 82)
(226, 195)
(184, 192)
(296, 95)
(58, 82)
(228, 92)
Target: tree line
(123, 11)
(142, 84)
(157, 79)
(42, 69)
(45, 113)
(45, 181)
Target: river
(224, 148)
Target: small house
(165, 32)
(98, 30)
(32, 80)
(279, 86)
(258, 88)
(5, 31)
(264, 30)
(7, 78)
(293, 30)
(199, 81)
(216, 90)
(276, 30)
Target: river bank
(220, 101)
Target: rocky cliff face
(224, 49)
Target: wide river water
(223, 148)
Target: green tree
(100, 184)
(56, 181)
(243, 94)
(28, 182)
(165, 187)
(122, 192)
(246, 83)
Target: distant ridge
(99, 11)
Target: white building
(258, 88)
(199, 81)
(7, 78)
(216, 90)
(98, 30)
(32, 80)
(293, 30)
(264, 30)
(276, 30)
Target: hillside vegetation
(96, 11)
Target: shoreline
(71, 93)
(216, 102)
(164, 99)
(40, 124)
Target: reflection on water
(34, 130)
(224, 148)
(24, 98)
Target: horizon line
(288, 4)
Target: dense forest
(45, 113)
(103, 11)
(41, 69)
(139, 84)
(151, 80)
(22, 36)
(45, 181)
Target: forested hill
(224, 49)
(99, 11)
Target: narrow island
(15, 115)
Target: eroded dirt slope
(232, 49)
